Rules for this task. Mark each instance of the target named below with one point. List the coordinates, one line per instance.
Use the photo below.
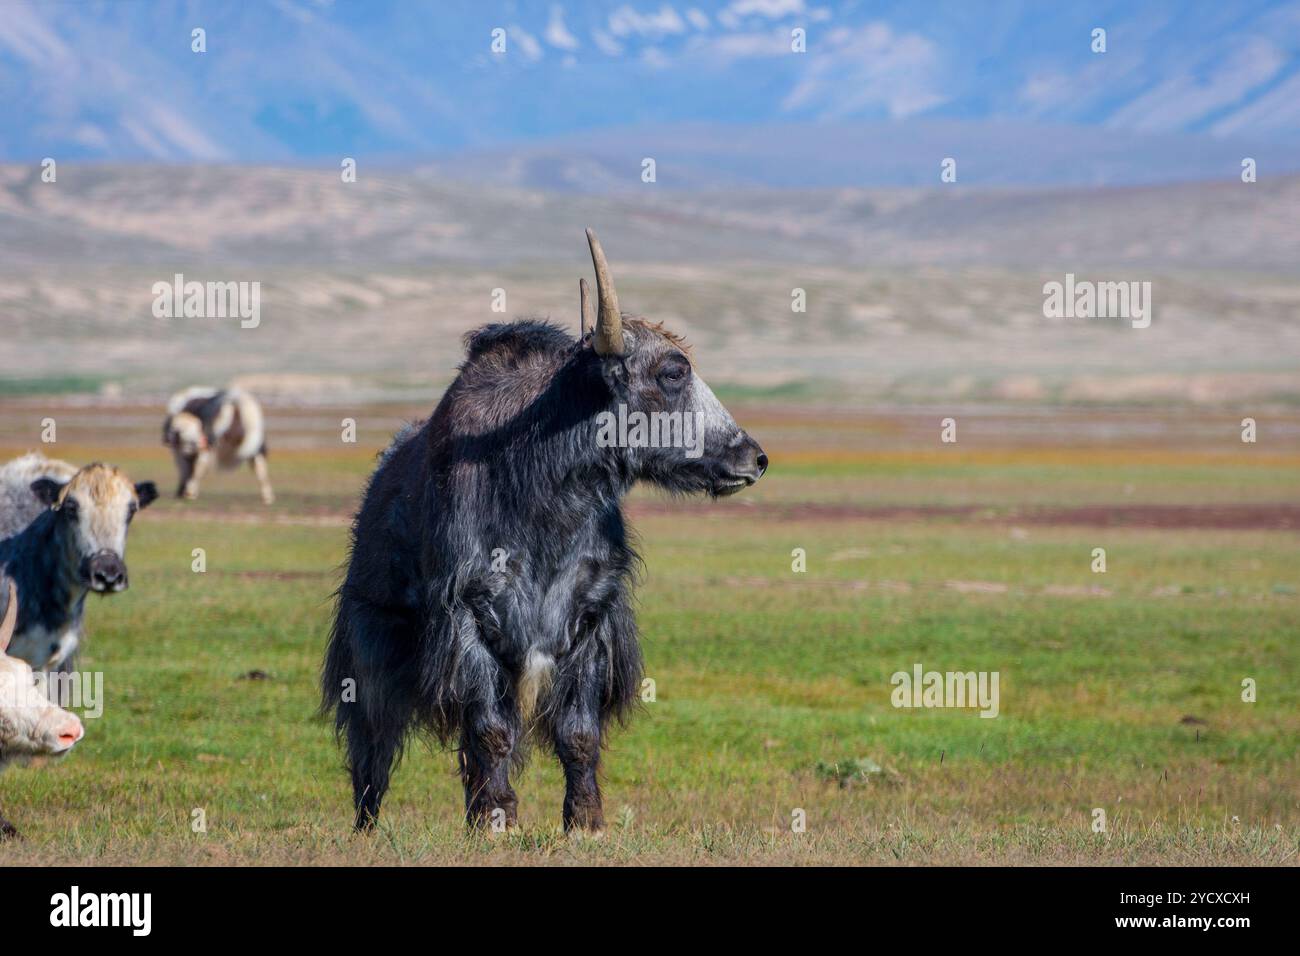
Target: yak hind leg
(377, 697)
(372, 753)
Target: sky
(288, 81)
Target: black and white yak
(206, 426)
(76, 544)
(488, 595)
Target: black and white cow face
(95, 508)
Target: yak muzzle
(747, 464)
(105, 572)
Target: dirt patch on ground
(260, 575)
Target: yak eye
(131, 509)
(69, 507)
(674, 373)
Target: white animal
(30, 723)
(206, 425)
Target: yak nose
(107, 573)
(61, 733)
(757, 464)
(70, 731)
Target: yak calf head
(183, 433)
(665, 420)
(95, 507)
(30, 723)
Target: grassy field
(1119, 691)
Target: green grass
(51, 385)
(1119, 691)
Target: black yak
(488, 590)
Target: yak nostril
(70, 732)
(108, 577)
(762, 463)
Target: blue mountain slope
(310, 80)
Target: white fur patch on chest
(534, 682)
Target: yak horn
(609, 321)
(11, 619)
(588, 318)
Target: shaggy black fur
(490, 544)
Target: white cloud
(30, 38)
(738, 46)
(187, 140)
(697, 18)
(557, 34)
(625, 22)
(605, 43)
(1044, 91)
(1181, 100)
(731, 15)
(772, 9)
(868, 69)
(90, 136)
(1275, 113)
(528, 45)
(655, 58)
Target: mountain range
(576, 96)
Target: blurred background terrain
(775, 171)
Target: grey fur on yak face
(673, 430)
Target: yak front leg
(7, 830)
(184, 473)
(263, 478)
(488, 739)
(576, 731)
(191, 471)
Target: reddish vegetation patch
(1261, 517)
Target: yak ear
(147, 492)
(47, 490)
(10, 620)
(613, 369)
